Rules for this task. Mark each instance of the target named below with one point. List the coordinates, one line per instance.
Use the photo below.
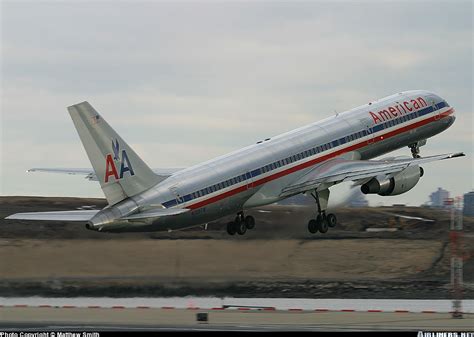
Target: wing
(338, 170)
(55, 216)
(89, 173)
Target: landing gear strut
(240, 224)
(322, 221)
(415, 148)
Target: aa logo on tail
(118, 157)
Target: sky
(183, 82)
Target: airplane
(310, 160)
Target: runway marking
(400, 311)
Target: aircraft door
(368, 129)
(436, 111)
(177, 196)
(248, 176)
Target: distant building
(358, 200)
(468, 204)
(437, 198)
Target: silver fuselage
(255, 175)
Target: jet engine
(400, 183)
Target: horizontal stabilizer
(156, 213)
(84, 215)
(162, 173)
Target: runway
(290, 304)
(14, 318)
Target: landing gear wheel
(249, 222)
(322, 224)
(231, 228)
(312, 226)
(241, 228)
(331, 220)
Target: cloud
(189, 81)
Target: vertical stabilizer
(120, 171)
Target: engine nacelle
(400, 183)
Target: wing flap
(83, 215)
(339, 170)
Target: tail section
(120, 171)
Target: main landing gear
(240, 224)
(323, 222)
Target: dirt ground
(218, 260)
(278, 258)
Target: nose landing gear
(415, 148)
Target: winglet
(455, 155)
